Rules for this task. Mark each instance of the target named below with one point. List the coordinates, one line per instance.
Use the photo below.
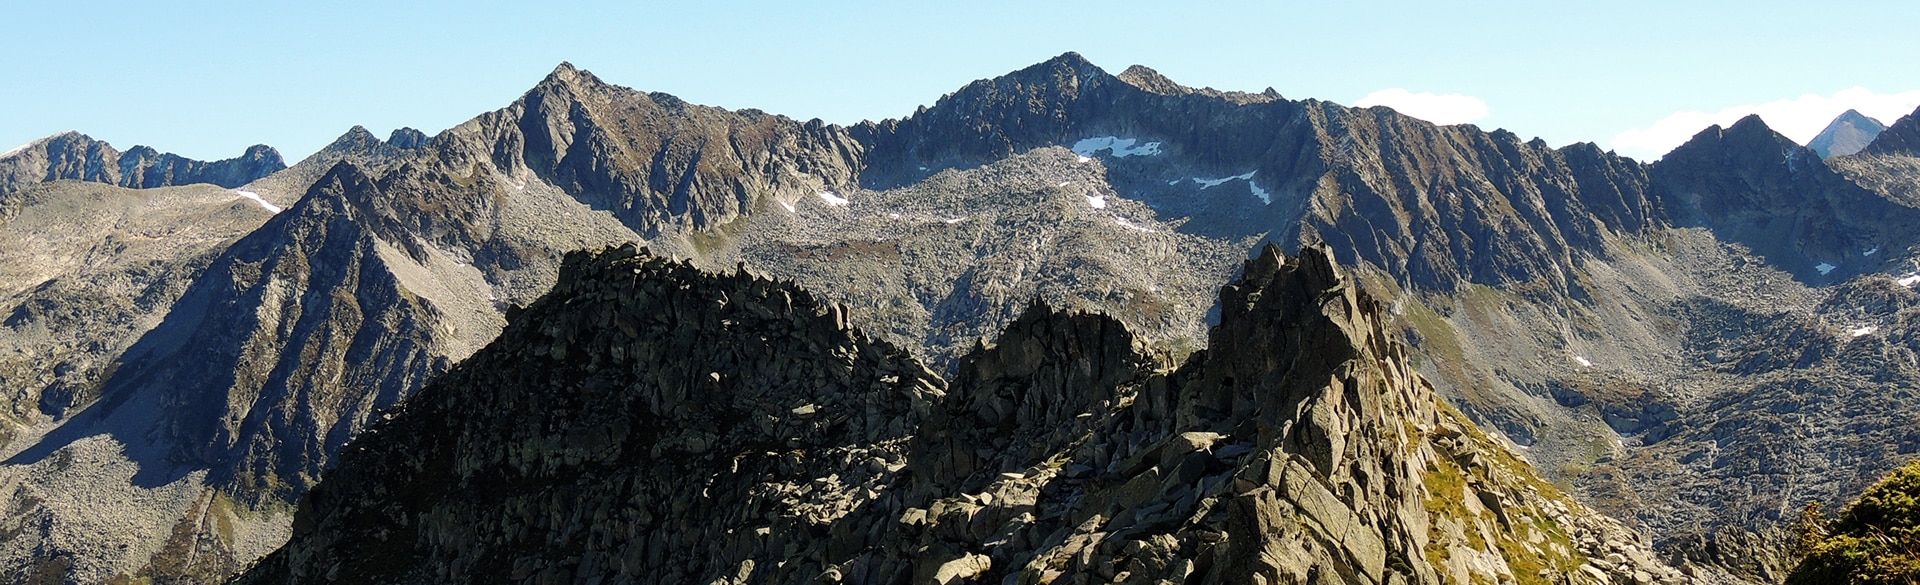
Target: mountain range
(1694, 347)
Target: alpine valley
(1061, 326)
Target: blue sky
(206, 79)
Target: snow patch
(1173, 182)
(1211, 183)
(923, 168)
(1869, 252)
(1064, 183)
(1824, 268)
(1084, 159)
(1860, 331)
(1264, 196)
(832, 198)
(1910, 280)
(1122, 222)
(1097, 201)
(955, 220)
(1120, 147)
(893, 215)
(1584, 363)
(264, 204)
(789, 207)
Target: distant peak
(1749, 123)
(407, 138)
(1068, 61)
(1856, 116)
(566, 74)
(1152, 81)
(355, 138)
(1070, 58)
(1848, 133)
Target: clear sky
(206, 79)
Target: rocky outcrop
(646, 422)
(72, 156)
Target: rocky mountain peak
(567, 78)
(1846, 134)
(355, 137)
(565, 72)
(1902, 138)
(408, 138)
(1147, 79)
(1755, 187)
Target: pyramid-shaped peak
(357, 136)
(1749, 123)
(1071, 59)
(1068, 62)
(1856, 116)
(566, 73)
(1848, 133)
(1146, 78)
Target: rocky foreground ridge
(648, 422)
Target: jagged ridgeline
(647, 422)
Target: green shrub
(1877, 540)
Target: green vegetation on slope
(1877, 540)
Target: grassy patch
(1448, 484)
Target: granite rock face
(72, 156)
(646, 422)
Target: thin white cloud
(1799, 119)
(1443, 109)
